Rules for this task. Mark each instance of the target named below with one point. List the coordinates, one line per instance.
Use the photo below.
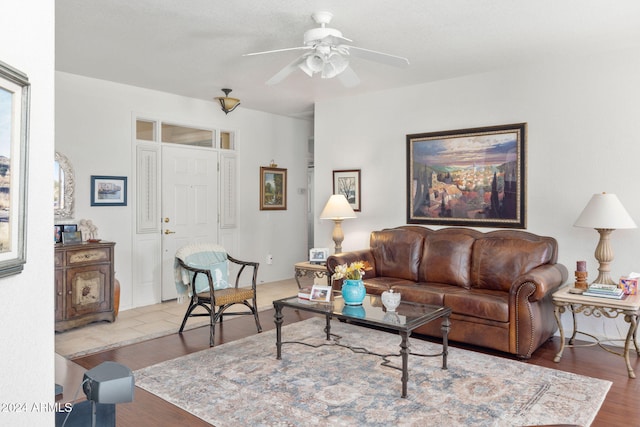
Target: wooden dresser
(84, 284)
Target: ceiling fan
(327, 54)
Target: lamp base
(338, 235)
(605, 278)
(604, 255)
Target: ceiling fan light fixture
(228, 104)
(338, 62)
(315, 62)
(327, 52)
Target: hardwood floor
(621, 407)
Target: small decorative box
(629, 285)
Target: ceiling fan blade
(334, 40)
(372, 55)
(284, 73)
(278, 50)
(348, 78)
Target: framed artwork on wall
(347, 182)
(471, 177)
(273, 188)
(108, 190)
(14, 139)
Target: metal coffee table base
(404, 346)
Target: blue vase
(353, 292)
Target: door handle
(169, 232)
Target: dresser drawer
(88, 255)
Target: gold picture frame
(273, 189)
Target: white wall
(26, 300)
(94, 128)
(582, 118)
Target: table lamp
(337, 209)
(605, 213)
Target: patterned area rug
(242, 383)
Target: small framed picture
(318, 255)
(108, 190)
(347, 182)
(273, 189)
(320, 293)
(59, 229)
(70, 237)
(57, 233)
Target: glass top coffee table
(407, 317)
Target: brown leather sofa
(498, 284)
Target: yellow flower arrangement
(353, 271)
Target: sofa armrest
(546, 278)
(348, 257)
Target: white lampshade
(605, 211)
(337, 208)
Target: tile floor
(150, 321)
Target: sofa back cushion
(446, 258)
(497, 262)
(397, 253)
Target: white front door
(189, 204)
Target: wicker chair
(199, 267)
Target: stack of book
(305, 293)
(604, 291)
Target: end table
(598, 307)
(306, 268)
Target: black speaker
(109, 382)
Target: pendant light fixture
(227, 104)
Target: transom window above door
(152, 130)
(183, 135)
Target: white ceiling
(194, 47)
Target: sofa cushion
(446, 258)
(425, 293)
(397, 253)
(378, 285)
(497, 262)
(483, 304)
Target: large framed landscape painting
(471, 177)
(14, 137)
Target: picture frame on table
(59, 229)
(273, 188)
(347, 182)
(71, 237)
(320, 293)
(108, 190)
(14, 140)
(318, 255)
(470, 177)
